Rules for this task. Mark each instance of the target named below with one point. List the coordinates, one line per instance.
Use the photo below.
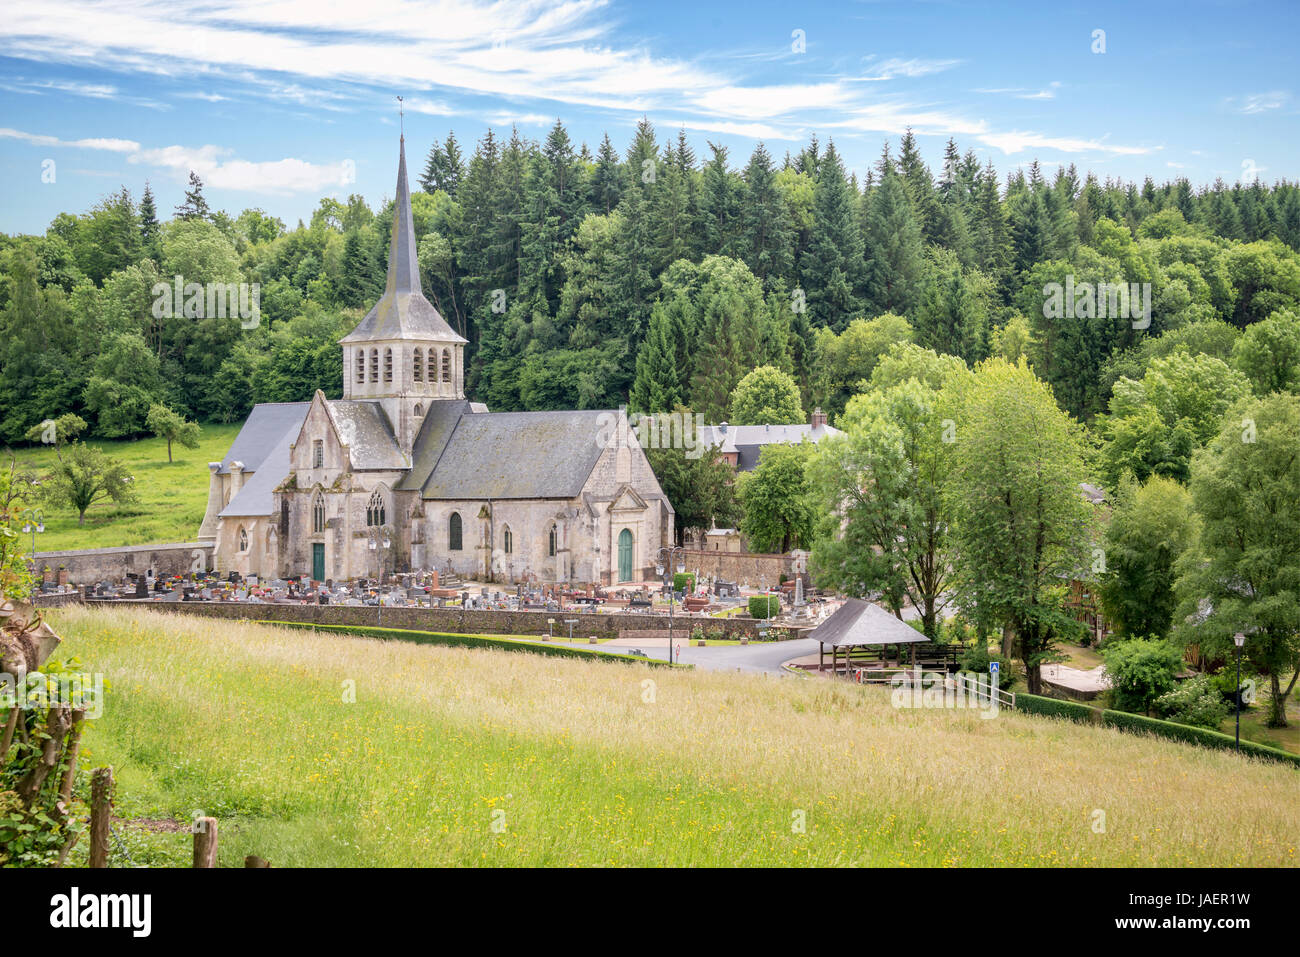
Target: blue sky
(279, 102)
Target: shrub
(1141, 670)
(1196, 701)
(977, 659)
(764, 606)
(684, 581)
(715, 633)
(1056, 708)
(697, 633)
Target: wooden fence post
(205, 842)
(101, 813)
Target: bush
(1140, 724)
(1196, 701)
(684, 581)
(977, 659)
(764, 606)
(1141, 670)
(1055, 708)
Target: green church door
(318, 561)
(625, 556)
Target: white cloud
(90, 143)
(892, 69)
(287, 175)
(1253, 103)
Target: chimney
(723, 428)
(818, 417)
(236, 478)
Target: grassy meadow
(171, 496)
(465, 757)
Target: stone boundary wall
(89, 565)
(746, 568)
(455, 621)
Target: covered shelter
(859, 623)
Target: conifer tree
(895, 266)
(832, 265)
(767, 235)
(195, 206)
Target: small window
(446, 365)
(318, 454)
(388, 365)
(453, 532)
(375, 509)
(552, 543)
(361, 366)
(374, 365)
(417, 365)
(318, 514)
(243, 539)
(507, 540)
(419, 411)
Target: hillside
(172, 495)
(493, 758)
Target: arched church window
(417, 365)
(374, 365)
(375, 509)
(507, 540)
(318, 514)
(446, 365)
(388, 365)
(552, 541)
(243, 539)
(361, 366)
(453, 532)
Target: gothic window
(453, 532)
(318, 514)
(552, 541)
(375, 509)
(318, 454)
(388, 365)
(270, 541)
(374, 365)
(417, 365)
(446, 365)
(243, 539)
(419, 410)
(361, 366)
(507, 540)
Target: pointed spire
(403, 266)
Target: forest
(660, 278)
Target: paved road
(766, 656)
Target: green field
(453, 756)
(172, 497)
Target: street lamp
(663, 568)
(33, 521)
(1239, 640)
(380, 537)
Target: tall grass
(465, 757)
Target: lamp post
(33, 521)
(664, 568)
(1239, 640)
(380, 537)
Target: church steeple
(403, 352)
(403, 265)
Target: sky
(277, 103)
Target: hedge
(764, 606)
(1055, 708)
(469, 641)
(684, 581)
(1141, 724)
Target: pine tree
(895, 267)
(643, 156)
(832, 266)
(149, 223)
(444, 169)
(767, 235)
(358, 285)
(607, 179)
(657, 386)
(920, 187)
(195, 206)
(721, 199)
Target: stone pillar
(208, 530)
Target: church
(404, 474)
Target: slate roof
(255, 498)
(403, 312)
(503, 455)
(748, 440)
(265, 426)
(364, 426)
(435, 431)
(859, 622)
